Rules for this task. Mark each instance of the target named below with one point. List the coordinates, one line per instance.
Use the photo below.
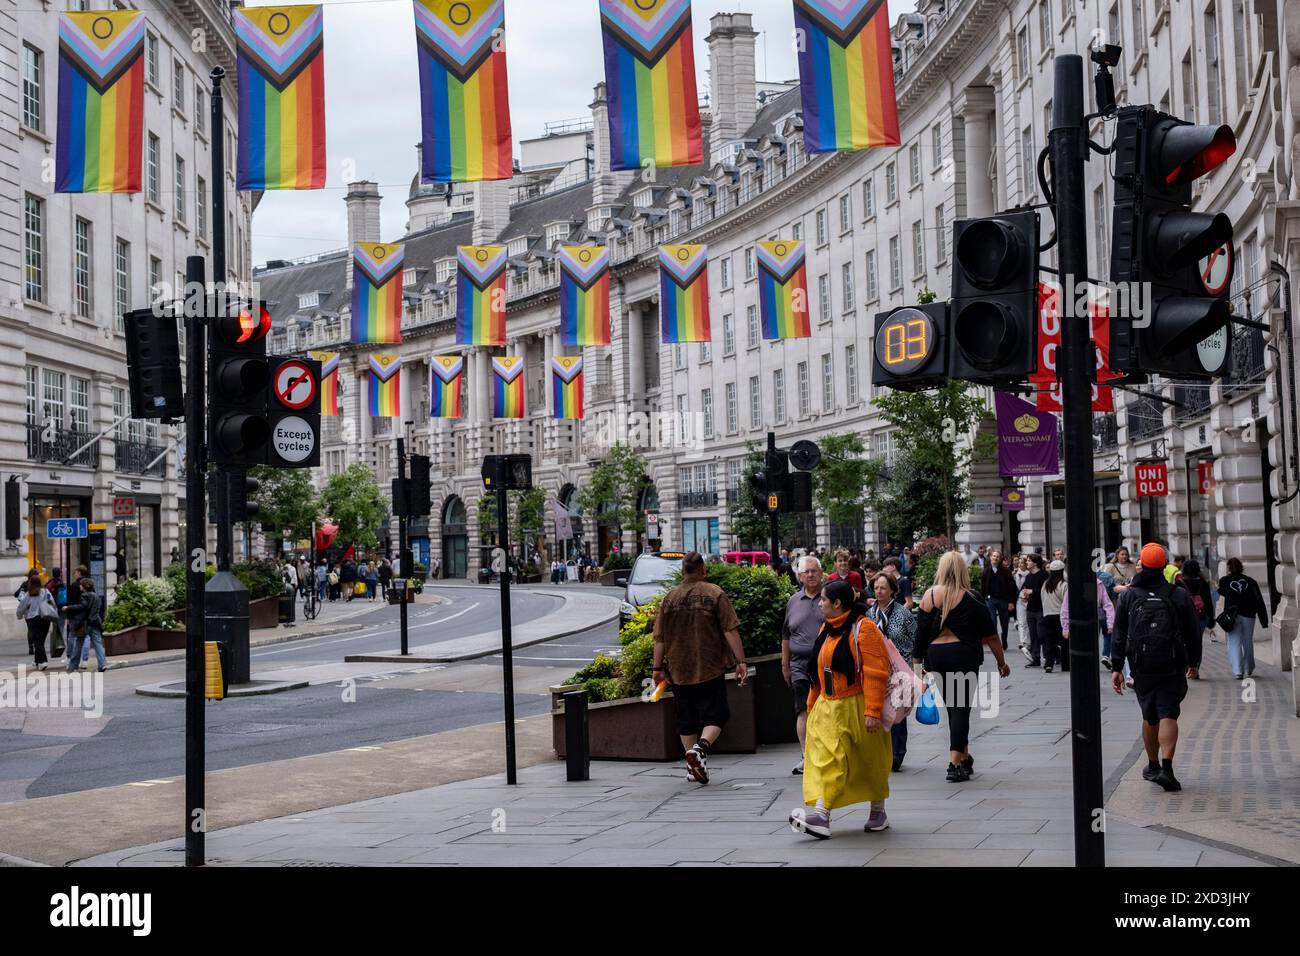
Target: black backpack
(1154, 643)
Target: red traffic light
(1185, 152)
(254, 323)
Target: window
(154, 170)
(1022, 53)
(1115, 27)
(706, 408)
(1189, 88)
(155, 278)
(83, 256)
(724, 265)
(846, 214)
(33, 398)
(805, 390)
(749, 262)
(119, 412)
(79, 404)
(121, 282)
(679, 356)
(940, 237)
(178, 86)
(851, 373)
(846, 285)
(797, 231)
(53, 398)
(200, 119)
(873, 293)
(1027, 162)
(34, 248)
(868, 197)
(151, 58)
(1139, 24)
(891, 183)
(1213, 66)
(895, 265)
(1101, 225)
(733, 413)
(778, 395)
(821, 227)
(918, 249)
(936, 145)
(1045, 23)
(683, 418)
(751, 321)
(201, 207)
(706, 351)
(180, 189)
(828, 383)
(824, 297)
(33, 74)
(755, 403)
(914, 164)
(728, 335)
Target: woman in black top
(953, 627)
(1031, 593)
(1241, 594)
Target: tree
(353, 501)
(845, 478)
(287, 500)
(905, 503)
(614, 489)
(751, 528)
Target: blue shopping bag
(927, 711)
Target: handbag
(927, 711)
(48, 611)
(1228, 619)
(904, 689)
(360, 589)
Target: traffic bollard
(576, 744)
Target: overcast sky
(373, 108)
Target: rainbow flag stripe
(566, 386)
(684, 293)
(654, 108)
(329, 382)
(386, 386)
(281, 97)
(98, 143)
(377, 293)
(447, 386)
(464, 98)
(783, 290)
(480, 295)
(584, 295)
(846, 74)
(508, 387)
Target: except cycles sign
(1153, 480)
(293, 439)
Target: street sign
(295, 385)
(123, 508)
(64, 528)
(293, 439)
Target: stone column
(635, 355)
(975, 105)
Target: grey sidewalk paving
(1015, 812)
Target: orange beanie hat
(1153, 556)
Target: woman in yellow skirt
(849, 751)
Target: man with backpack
(1154, 626)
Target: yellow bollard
(214, 682)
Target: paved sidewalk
(1015, 812)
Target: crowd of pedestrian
(71, 615)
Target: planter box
(773, 701)
(133, 640)
(615, 579)
(263, 613)
(633, 729)
(166, 640)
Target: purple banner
(1013, 499)
(1026, 438)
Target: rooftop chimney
(363, 216)
(491, 210)
(607, 184)
(733, 85)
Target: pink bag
(904, 689)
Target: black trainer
(1167, 780)
(1151, 771)
(968, 765)
(957, 773)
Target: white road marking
(299, 645)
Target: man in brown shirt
(698, 634)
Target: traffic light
(911, 347)
(400, 498)
(418, 489)
(1174, 264)
(798, 493)
(513, 472)
(994, 305)
(238, 377)
(758, 491)
(153, 364)
(242, 489)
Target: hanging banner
(563, 526)
(100, 133)
(1152, 480)
(281, 97)
(783, 290)
(846, 74)
(654, 108)
(377, 293)
(584, 295)
(1205, 477)
(1044, 380)
(1013, 499)
(464, 99)
(329, 382)
(1027, 439)
(566, 386)
(481, 295)
(508, 387)
(684, 294)
(385, 386)
(447, 386)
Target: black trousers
(1049, 630)
(999, 608)
(958, 666)
(37, 628)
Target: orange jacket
(873, 669)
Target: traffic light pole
(196, 525)
(1068, 143)
(507, 658)
(401, 535)
(773, 517)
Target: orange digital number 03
(916, 336)
(895, 344)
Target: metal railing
(139, 458)
(1246, 367)
(1193, 402)
(59, 449)
(1105, 432)
(1146, 417)
(697, 499)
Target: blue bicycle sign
(63, 528)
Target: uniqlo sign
(1205, 477)
(1049, 343)
(1153, 481)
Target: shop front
(45, 502)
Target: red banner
(1153, 481)
(1048, 388)
(1205, 477)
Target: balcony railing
(1246, 367)
(1193, 402)
(1105, 432)
(135, 458)
(1145, 418)
(60, 449)
(697, 499)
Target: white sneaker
(697, 765)
(1025, 651)
(799, 768)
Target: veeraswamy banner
(1026, 439)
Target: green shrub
(617, 561)
(262, 578)
(923, 574)
(634, 665)
(175, 578)
(140, 603)
(603, 666)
